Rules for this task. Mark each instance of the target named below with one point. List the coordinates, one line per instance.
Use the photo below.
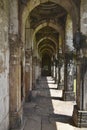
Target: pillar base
(79, 117)
(60, 86)
(68, 96)
(30, 96)
(16, 120)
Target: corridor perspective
(43, 64)
(47, 111)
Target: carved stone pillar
(80, 110)
(52, 68)
(60, 84)
(55, 70)
(38, 69)
(28, 73)
(15, 82)
(55, 74)
(22, 72)
(59, 77)
(34, 75)
(68, 92)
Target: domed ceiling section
(47, 37)
(47, 11)
(47, 32)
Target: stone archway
(69, 5)
(49, 38)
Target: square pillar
(80, 109)
(60, 84)
(16, 111)
(28, 74)
(68, 92)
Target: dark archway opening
(46, 65)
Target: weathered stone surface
(49, 113)
(4, 65)
(83, 16)
(80, 117)
(68, 96)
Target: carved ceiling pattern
(47, 32)
(47, 12)
(47, 42)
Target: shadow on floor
(61, 118)
(40, 111)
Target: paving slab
(47, 110)
(33, 123)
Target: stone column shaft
(15, 82)
(60, 74)
(59, 78)
(80, 109)
(28, 74)
(68, 94)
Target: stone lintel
(79, 117)
(68, 95)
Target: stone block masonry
(4, 65)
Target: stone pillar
(59, 77)
(80, 109)
(52, 68)
(15, 82)
(15, 66)
(28, 74)
(38, 69)
(60, 84)
(68, 92)
(23, 72)
(34, 71)
(55, 74)
(55, 71)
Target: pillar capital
(28, 53)
(15, 41)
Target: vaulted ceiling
(47, 11)
(47, 38)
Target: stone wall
(83, 12)
(4, 66)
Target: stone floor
(47, 111)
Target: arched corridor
(43, 51)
